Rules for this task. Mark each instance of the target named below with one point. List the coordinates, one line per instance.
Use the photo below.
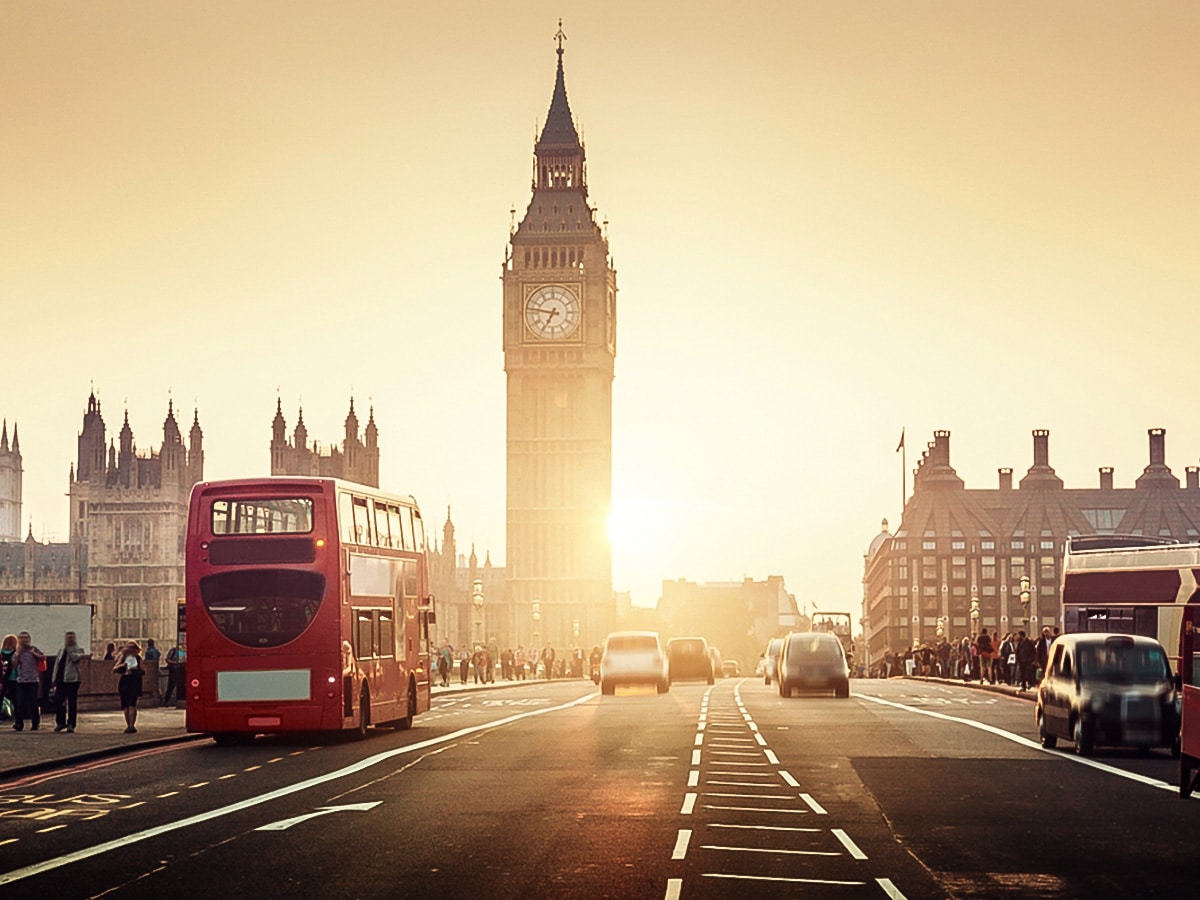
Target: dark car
(688, 660)
(1113, 690)
(813, 660)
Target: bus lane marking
(1026, 742)
(75, 856)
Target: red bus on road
(308, 608)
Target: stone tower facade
(357, 460)
(560, 291)
(10, 485)
(129, 513)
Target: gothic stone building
(559, 341)
(957, 545)
(357, 460)
(33, 572)
(452, 580)
(10, 485)
(129, 509)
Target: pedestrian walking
(29, 662)
(129, 667)
(65, 680)
(548, 662)
(464, 665)
(8, 676)
(172, 675)
(1026, 654)
(983, 649)
(110, 652)
(443, 665)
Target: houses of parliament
(128, 506)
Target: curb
(1006, 690)
(60, 762)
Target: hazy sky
(830, 220)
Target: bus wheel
(364, 715)
(404, 723)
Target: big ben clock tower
(560, 292)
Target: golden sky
(830, 220)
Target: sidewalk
(97, 734)
(101, 733)
(1010, 690)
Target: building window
(929, 545)
(989, 590)
(988, 545)
(987, 568)
(1017, 545)
(900, 545)
(929, 590)
(958, 545)
(1047, 568)
(960, 590)
(903, 574)
(1018, 568)
(1048, 545)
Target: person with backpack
(29, 662)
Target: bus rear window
(262, 607)
(259, 515)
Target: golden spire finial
(560, 37)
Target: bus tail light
(332, 679)
(195, 682)
(320, 542)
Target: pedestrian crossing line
(762, 827)
(734, 762)
(813, 804)
(166, 795)
(851, 847)
(749, 796)
(746, 774)
(681, 843)
(739, 783)
(770, 850)
(733, 753)
(781, 879)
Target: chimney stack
(941, 448)
(1158, 446)
(1106, 473)
(1006, 479)
(1193, 478)
(1041, 448)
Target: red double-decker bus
(308, 608)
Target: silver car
(633, 657)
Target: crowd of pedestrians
(32, 681)
(1014, 659)
(478, 665)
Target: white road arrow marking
(284, 824)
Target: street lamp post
(974, 617)
(477, 606)
(537, 622)
(1026, 596)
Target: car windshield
(814, 647)
(1123, 662)
(632, 643)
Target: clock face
(552, 312)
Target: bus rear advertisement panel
(279, 639)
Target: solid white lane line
(285, 791)
(689, 803)
(693, 778)
(784, 880)
(674, 887)
(771, 757)
(681, 843)
(787, 776)
(813, 804)
(1026, 742)
(851, 847)
(890, 889)
(761, 827)
(770, 809)
(695, 757)
(769, 850)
